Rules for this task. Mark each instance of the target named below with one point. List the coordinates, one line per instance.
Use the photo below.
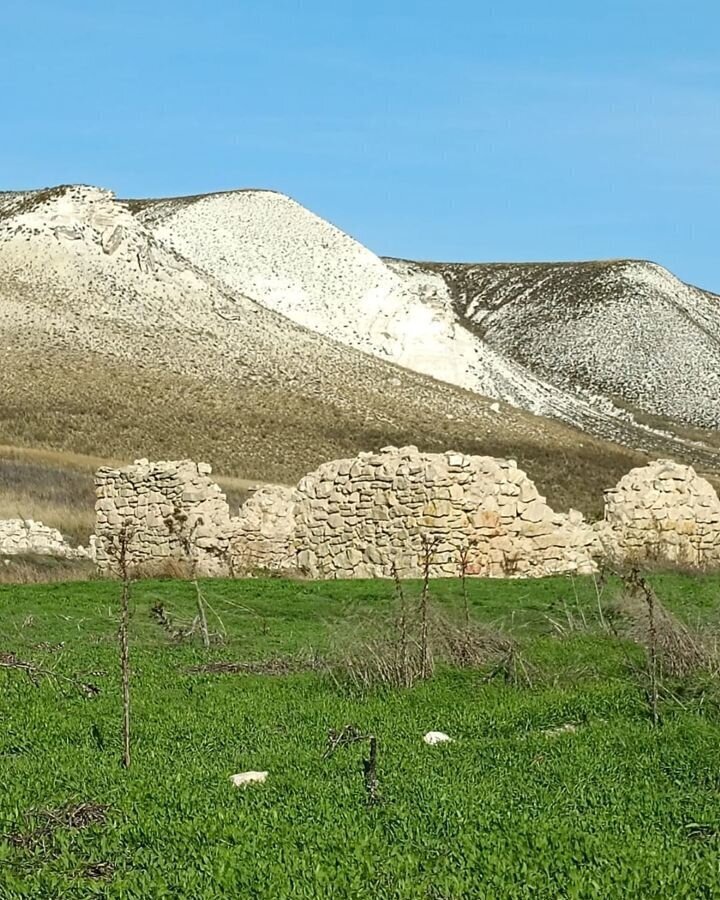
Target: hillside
(475, 326)
(113, 344)
(272, 249)
(627, 330)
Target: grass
(615, 809)
(62, 496)
(34, 569)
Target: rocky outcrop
(25, 537)
(365, 517)
(662, 512)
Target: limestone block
(437, 509)
(486, 519)
(536, 511)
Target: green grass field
(615, 809)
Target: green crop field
(557, 782)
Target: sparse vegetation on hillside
(626, 330)
(265, 433)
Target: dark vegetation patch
(36, 673)
(282, 665)
(22, 202)
(42, 824)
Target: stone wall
(261, 537)
(167, 508)
(357, 518)
(366, 516)
(25, 537)
(662, 512)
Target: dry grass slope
(106, 410)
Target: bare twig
(370, 771)
(189, 548)
(403, 655)
(10, 661)
(125, 642)
(177, 523)
(118, 550)
(348, 735)
(464, 554)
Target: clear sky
(461, 130)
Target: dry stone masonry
(262, 537)
(350, 518)
(664, 512)
(25, 537)
(359, 518)
(168, 511)
(377, 513)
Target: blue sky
(461, 130)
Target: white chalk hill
(596, 345)
(270, 248)
(229, 328)
(117, 339)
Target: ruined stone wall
(162, 506)
(357, 518)
(366, 516)
(261, 537)
(25, 537)
(662, 512)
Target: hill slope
(625, 329)
(598, 346)
(111, 343)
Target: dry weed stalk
(672, 648)
(417, 635)
(118, 548)
(178, 524)
(370, 772)
(678, 650)
(473, 647)
(403, 649)
(347, 736)
(464, 555)
(429, 547)
(189, 548)
(125, 646)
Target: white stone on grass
(436, 737)
(567, 728)
(243, 779)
